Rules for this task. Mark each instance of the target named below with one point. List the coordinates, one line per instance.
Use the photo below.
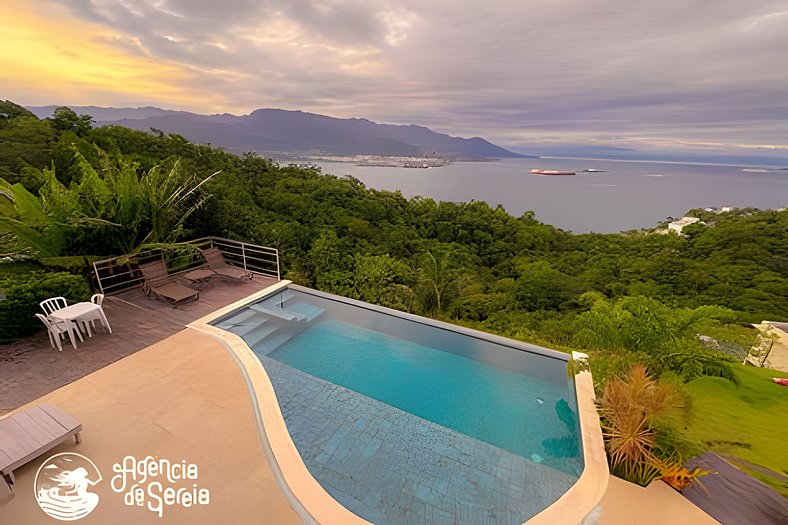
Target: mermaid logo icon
(62, 484)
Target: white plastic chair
(53, 304)
(97, 299)
(56, 331)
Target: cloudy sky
(705, 75)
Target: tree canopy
(72, 189)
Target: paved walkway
(30, 368)
(182, 399)
(732, 496)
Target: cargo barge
(552, 172)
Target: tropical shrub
(678, 476)
(478, 307)
(23, 294)
(665, 338)
(109, 209)
(639, 416)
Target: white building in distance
(678, 225)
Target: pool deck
(31, 367)
(183, 398)
(657, 504)
(187, 398)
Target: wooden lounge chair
(216, 262)
(163, 285)
(27, 435)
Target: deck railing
(121, 273)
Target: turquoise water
(511, 410)
(404, 420)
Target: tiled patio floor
(182, 399)
(30, 368)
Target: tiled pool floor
(389, 466)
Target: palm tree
(127, 210)
(438, 276)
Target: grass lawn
(749, 422)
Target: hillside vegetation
(68, 190)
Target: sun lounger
(163, 285)
(27, 435)
(216, 262)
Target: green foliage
(24, 141)
(383, 280)
(71, 190)
(66, 119)
(25, 292)
(542, 287)
(9, 110)
(24, 227)
(439, 278)
(479, 307)
(330, 264)
(114, 212)
(666, 338)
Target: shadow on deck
(31, 367)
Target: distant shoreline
(773, 167)
(770, 167)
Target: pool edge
(585, 495)
(308, 498)
(313, 503)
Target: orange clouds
(49, 57)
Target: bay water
(625, 195)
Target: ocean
(627, 195)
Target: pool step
(273, 342)
(247, 327)
(280, 313)
(259, 333)
(306, 311)
(279, 300)
(237, 319)
(270, 323)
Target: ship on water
(552, 172)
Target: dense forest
(69, 190)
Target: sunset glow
(53, 57)
(629, 75)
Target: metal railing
(121, 273)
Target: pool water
(515, 412)
(404, 420)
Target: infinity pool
(402, 419)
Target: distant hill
(276, 131)
(100, 114)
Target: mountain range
(277, 131)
